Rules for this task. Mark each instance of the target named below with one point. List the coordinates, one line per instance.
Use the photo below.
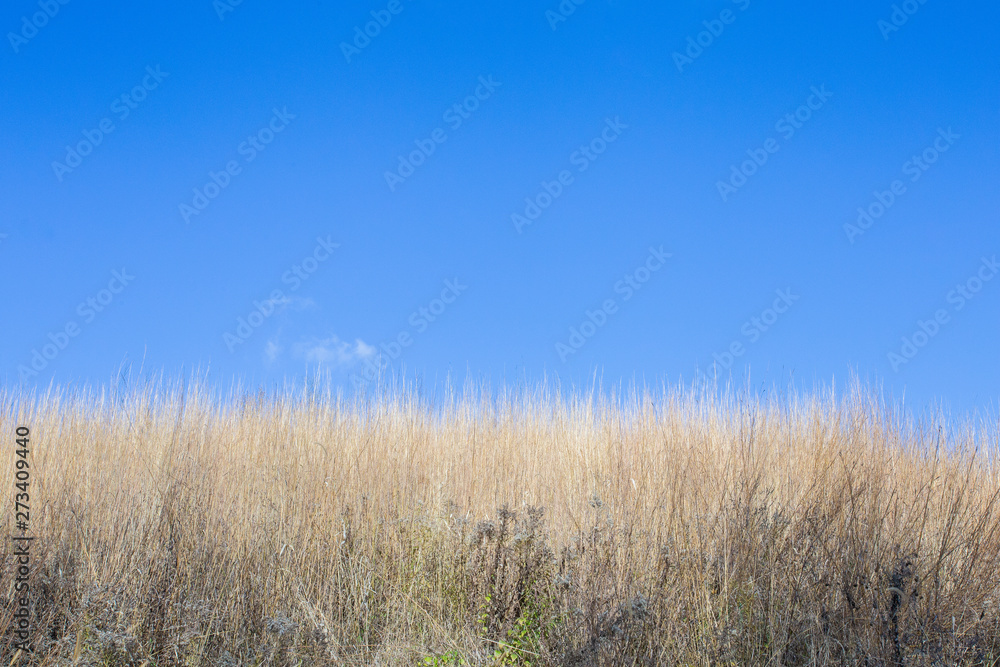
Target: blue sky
(503, 191)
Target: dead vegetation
(679, 529)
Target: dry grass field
(501, 528)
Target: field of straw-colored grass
(498, 528)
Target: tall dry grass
(174, 527)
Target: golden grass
(678, 528)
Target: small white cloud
(363, 349)
(291, 303)
(273, 350)
(332, 350)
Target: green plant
(444, 660)
(521, 644)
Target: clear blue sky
(667, 174)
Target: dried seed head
(280, 625)
(485, 530)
